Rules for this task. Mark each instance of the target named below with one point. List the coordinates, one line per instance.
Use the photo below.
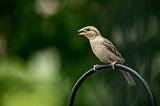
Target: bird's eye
(88, 29)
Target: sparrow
(104, 50)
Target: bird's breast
(101, 52)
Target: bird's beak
(81, 32)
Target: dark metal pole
(117, 66)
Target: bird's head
(89, 31)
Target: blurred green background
(42, 56)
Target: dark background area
(42, 55)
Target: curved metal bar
(117, 66)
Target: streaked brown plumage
(104, 50)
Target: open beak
(81, 32)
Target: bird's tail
(129, 78)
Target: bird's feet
(112, 64)
(94, 67)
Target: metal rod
(117, 66)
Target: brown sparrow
(104, 50)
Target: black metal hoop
(118, 66)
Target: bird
(104, 50)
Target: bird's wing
(109, 45)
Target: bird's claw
(112, 64)
(94, 67)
